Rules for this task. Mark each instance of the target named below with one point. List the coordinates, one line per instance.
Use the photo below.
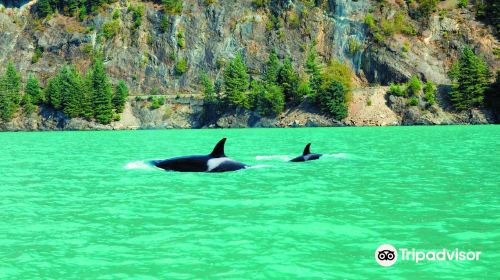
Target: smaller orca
(216, 161)
(306, 155)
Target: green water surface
(87, 205)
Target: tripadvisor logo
(387, 255)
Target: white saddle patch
(215, 162)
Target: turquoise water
(85, 204)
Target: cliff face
(145, 57)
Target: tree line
(88, 96)
(327, 86)
(82, 8)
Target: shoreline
(370, 106)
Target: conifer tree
(120, 96)
(313, 68)
(9, 92)
(208, 89)
(33, 90)
(87, 110)
(333, 99)
(103, 107)
(470, 77)
(71, 90)
(267, 99)
(272, 68)
(289, 80)
(53, 93)
(27, 104)
(236, 82)
(43, 8)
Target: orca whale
(216, 161)
(306, 155)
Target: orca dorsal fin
(306, 150)
(219, 149)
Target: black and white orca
(306, 155)
(216, 161)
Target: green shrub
(414, 86)
(426, 7)
(180, 43)
(337, 71)
(378, 37)
(406, 47)
(259, 3)
(370, 21)
(430, 93)
(155, 91)
(267, 99)
(463, 3)
(354, 45)
(413, 101)
(164, 24)
(161, 100)
(172, 7)
(138, 98)
(181, 67)
(155, 104)
(116, 14)
(137, 14)
(387, 27)
(396, 89)
(109, 29)
(36, 56)
(369, 102)
(293, 20)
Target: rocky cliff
(211, 34)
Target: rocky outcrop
(425, 114)
(304, 115)
(368, 107)
(145, 57)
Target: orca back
(306, 155)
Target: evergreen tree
(53, 93)
(470, 77)
(33, 90)
(209, 90)
(87, 110)
(236, 82)
(272, 68)
(9, 92)
(267, 99)
(27, 104)
(333, 99)
(120, 96)
(313, 68)
(493, 98)
(43, 8)
(71, 84)
(289, 81)
(103, 107)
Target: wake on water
(146, 164)
(140, 164)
